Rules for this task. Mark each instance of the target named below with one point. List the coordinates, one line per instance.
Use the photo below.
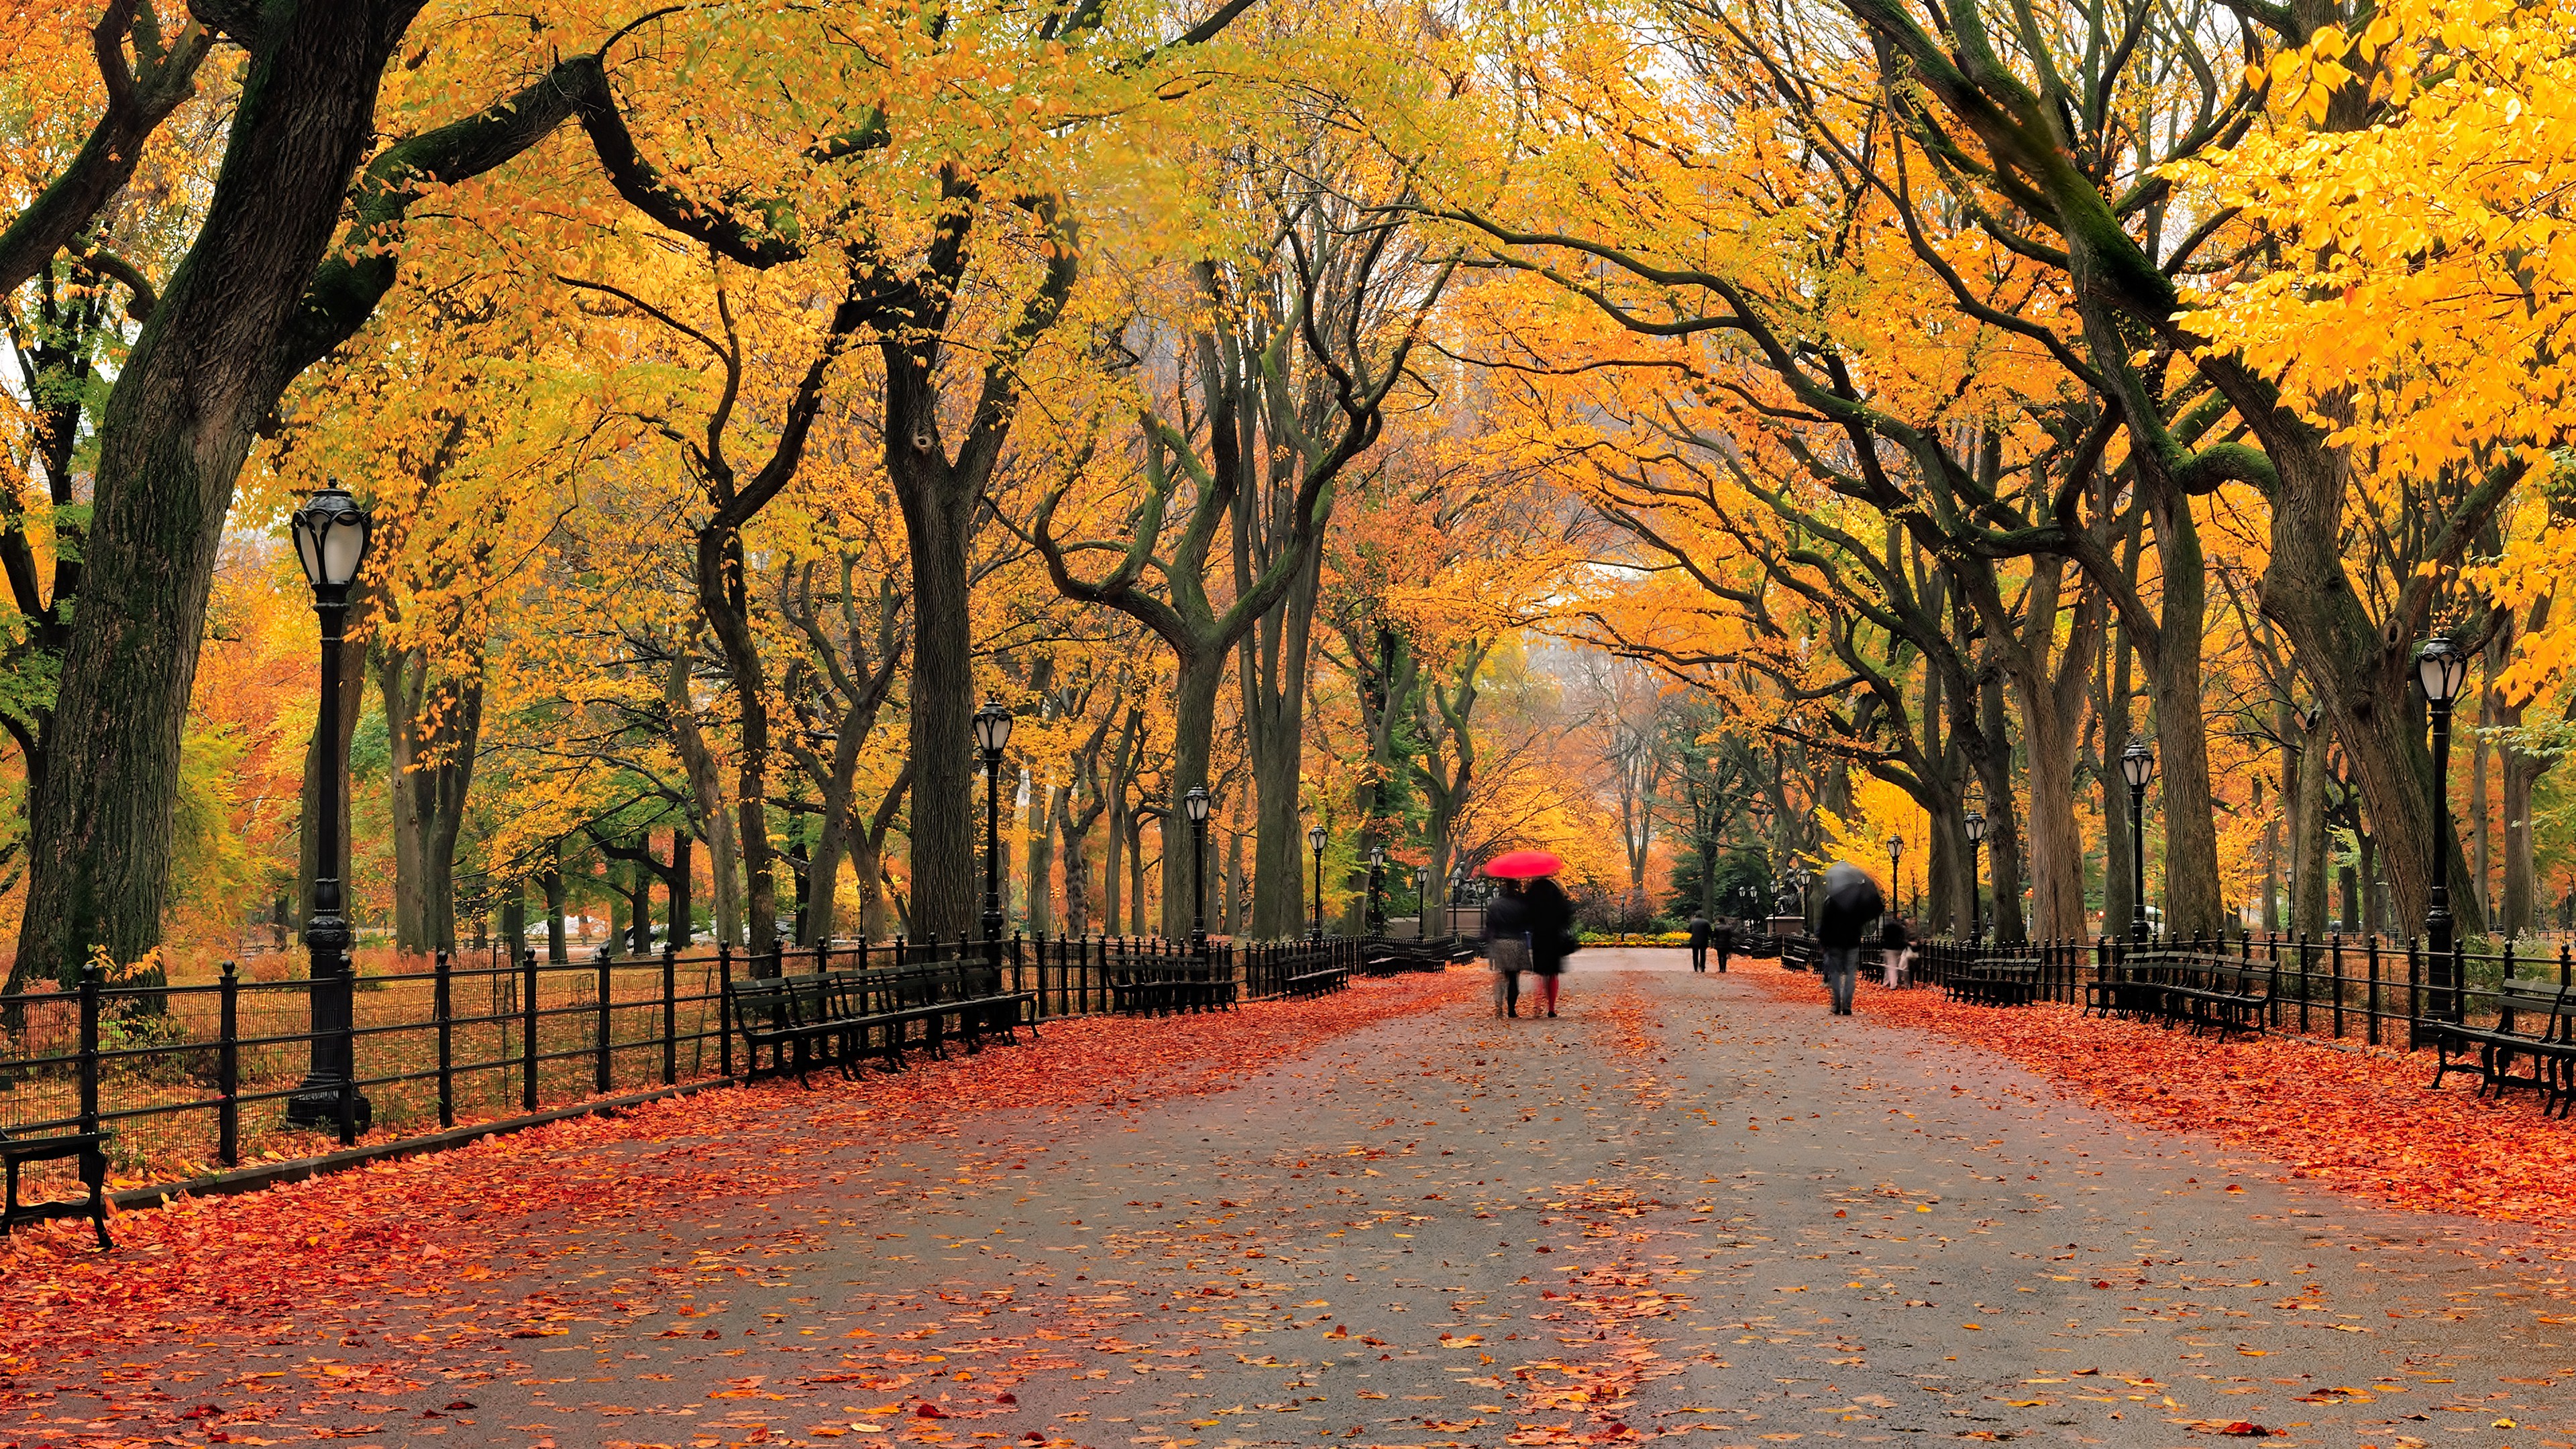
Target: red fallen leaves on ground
(338, 1254)
(2359, 1121)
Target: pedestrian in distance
(1724, 931)
(1551, 922)
(1851, 906)
(1699, 942)
(1507, 945)
(1893, 949)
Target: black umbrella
(1849, 889)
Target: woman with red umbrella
(1538, 913)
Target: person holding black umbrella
(1851, 904)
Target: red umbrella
(1524, 864)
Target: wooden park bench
(2534, 1020)
(1391, 958)
(91, 1150)
(1996, 983)
(2220, 993)
(2132, 986)
(840, 1018)
(1177, 985)
(1317, 981)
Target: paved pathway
(1684, 1206)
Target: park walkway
(1692, 1204)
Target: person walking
(1699, 942)
(1550, 918)
(1507, 945)
(1852, 903)
(1725, 934)
(1892, 949)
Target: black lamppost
(1422, 900)
(992, 736)
(2138, 766)
(1976, 823)
(1377, 879)
(1895, 874)
(1805, 878)
(2440, 671)
(1457, 882)
(1315, 839)
(331, 542)
(1194, 803)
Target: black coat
(1551, 915)
(1852, 903)
(1699, 930)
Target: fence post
(724, 1005)
(528, 1033)
(93, 1161)
(228, 1068)
(2370, 963)
(347, 1032)
(2459, 980)
(670, 1014)
(442, 1004)
(2414, 989)
(600, 1074)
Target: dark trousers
(1699, 955)
(1839, 965)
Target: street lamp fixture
(1895, 874)
(1976, 825)
(1194, 804)
(1457, 880)
(2441, 671)
(2138, 766)
(992, 736)
(1315, 839)
(331, 536)
(1377, 878)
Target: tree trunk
(432, 726)
(552, 882)
(2367, 850)
(2308, 840)
(2190, 895)
(514, 921)
(203, 373)
(706, 794)
(2480, 859)
(2051, 691)
(1136, 906)
(1236, 899)
(938, 517)
(2119, 862)
(1272, 671)
(682, 922)
(1113, 850)
(2003, 824)
(724, 601)
(1044, 803)
(2364, 677)
(1194, 688)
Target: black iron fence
(193, 1079)
(2372, 989)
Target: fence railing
(193, 1079)
(2369, 989)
